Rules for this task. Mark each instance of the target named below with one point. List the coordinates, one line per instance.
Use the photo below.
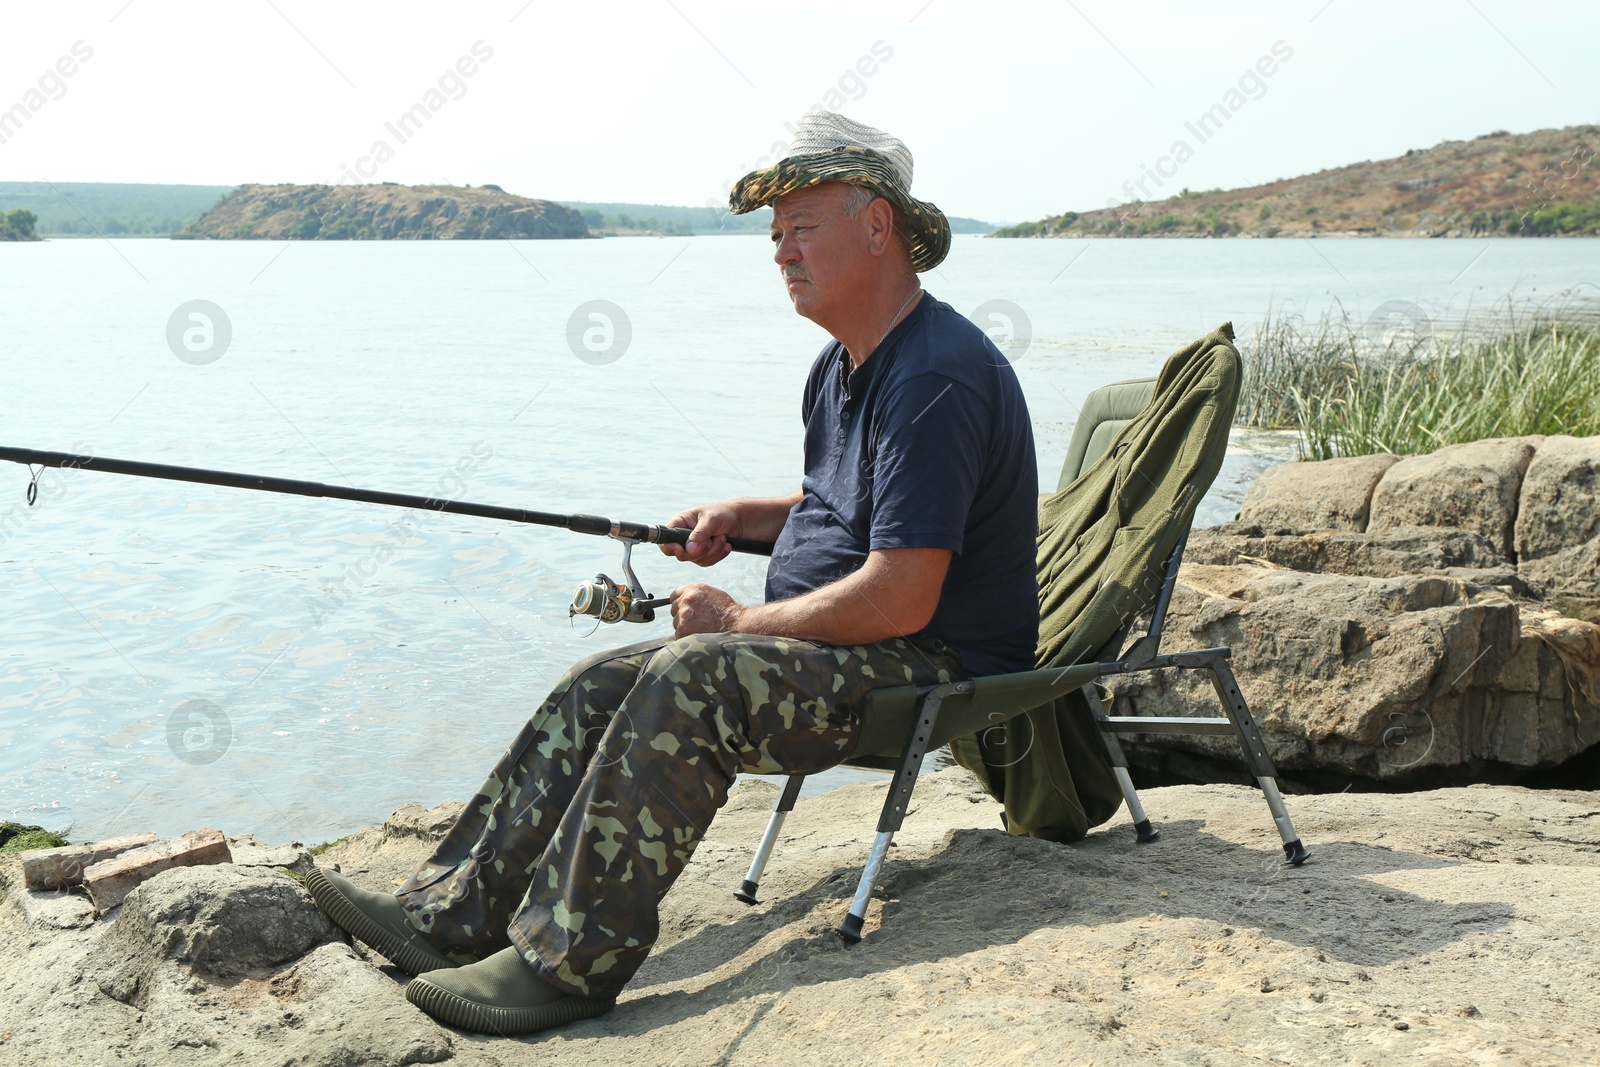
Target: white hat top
(822, 131)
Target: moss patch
(14, 837)
(317, 850)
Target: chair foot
(1294, 853)
(1146, 833)
(780, 811)
(849, 931)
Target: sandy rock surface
(1451, 927)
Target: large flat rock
(1558, 521)
(1332, 494)
(1377, 554)
(1472, 486)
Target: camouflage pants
(582, 827)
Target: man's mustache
(796, 273)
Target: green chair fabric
(1105, 412)
(1149, 451)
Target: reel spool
(607, 601)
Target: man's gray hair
(856, 199)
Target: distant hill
(1545, 183)
(115, 210)
(669, 220)
(383, 212)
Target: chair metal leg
(896, 803)
(1255, 754)
(785, 804)
(1293, 851)
(1144, 833)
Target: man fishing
(907, 556)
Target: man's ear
(880, 226)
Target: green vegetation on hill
(961, 224)
(1562, 219)
(1539, 184)
(18, 226)
(663, 219)
(112, 209)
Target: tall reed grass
(1349, 394)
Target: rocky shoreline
(1428, 927)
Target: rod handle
(679, 535)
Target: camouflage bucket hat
(831, 148)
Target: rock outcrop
(1404, 679)
(385, 212)
(1451, 637)
(224, 921)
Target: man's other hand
(709, 526)
(703, 609)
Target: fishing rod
(601, 598)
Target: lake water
(174, 656)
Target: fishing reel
(607, 601)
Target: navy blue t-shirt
(927, 444)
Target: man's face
(824, 254)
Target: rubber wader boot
(378, 919)
(500, 995)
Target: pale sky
(1013, 110)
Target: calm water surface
(173, 656)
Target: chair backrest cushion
(1105, 412)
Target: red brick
(53, 868)
(110, 881)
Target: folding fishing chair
(902, 723)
